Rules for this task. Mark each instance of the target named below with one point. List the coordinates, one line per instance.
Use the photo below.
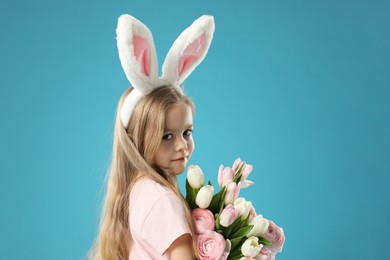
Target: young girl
(144, 214)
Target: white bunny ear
(137, 53)
(188, 50)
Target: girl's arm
(181, 248)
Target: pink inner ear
(142, 53)
(191, 54)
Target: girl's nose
(181, 144)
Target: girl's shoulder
(147, 192)
(151, 201)
(149, 186)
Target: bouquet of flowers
(227, 227)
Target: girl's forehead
(178, 116)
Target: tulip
(245, 170)
(245, 184)
(195, 176)
(260, 226)
(232, 192)
(225, 176)
(236, 164)
(252, 213)
(243, 207)
(251, 247)
(228, 216)
(204, 196)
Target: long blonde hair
(134, 149)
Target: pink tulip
(252, 213)
(245, 184)
(236, 164)
(203, 219)
(275, 234)
(211, 245)
(245, 170)
(225, 176)
(228, 215)
(232, 192)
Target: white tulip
(195, 176)
(243, 207)
(204, 196)
(251, 247)
(260, 226)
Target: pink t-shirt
(157, 218)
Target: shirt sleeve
(165, 222)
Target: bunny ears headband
(138, 57)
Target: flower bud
(225, 176)
(246, 169)
(260, 226)
(232, 191)
(243, 207)
(195, 176)
(236, 164)
(228, 216)
(251, 247)
(204, 196)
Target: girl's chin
(178, 167)
(177, 171)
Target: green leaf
(245, 221)
(215, 202)
(236, 242)
(238, 175)
(239, 169)
(235, 254)
(217, 224)
(264, 241)
(190, 195)
(237, 178)
(210, 183)
(242, 232)
(232, 228)
(222, 200)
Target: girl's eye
(167, 137)
(187, 133)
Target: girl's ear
(137, 53)
(188, 50)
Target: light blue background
(299, 89)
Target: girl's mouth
(181, 159)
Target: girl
(144, 214)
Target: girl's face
(177, 144)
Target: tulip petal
(246, 184)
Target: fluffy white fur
(204, 24)
(129, 26)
